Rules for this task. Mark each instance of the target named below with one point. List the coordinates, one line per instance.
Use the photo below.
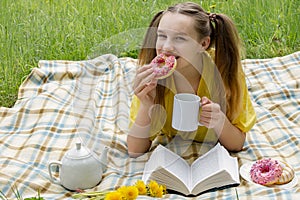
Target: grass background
(33, 30)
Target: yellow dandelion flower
(122, 189)
(153, 188)
(213, 6)
(153, 185)
(140, 185)
(130, 192)
(160, 192)
(115, 195)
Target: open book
(214, 170)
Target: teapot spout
(103, 158)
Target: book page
(172, 182)
(216, 160)
(205, 166)
(231, 165)
(170, 161)
(219, 180)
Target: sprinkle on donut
(266, 171)
(163, 65)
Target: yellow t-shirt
(162, 120)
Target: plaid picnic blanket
(61, 101)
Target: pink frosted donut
(163, 65)
(266, 171)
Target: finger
(205, 100)
(205, 122)
(205, 117)
(152, 81)
(148, 79)
(212, 109)
(143, 68)
(147, 89)
(143, 77)
(145, 82)
(206, 108)
(208, 122)
(206, 104)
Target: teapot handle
(54, 163)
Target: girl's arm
(229, 136)
(138, 141)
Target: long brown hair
(223, 37)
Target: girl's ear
(205, 42)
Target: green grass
(33, 30)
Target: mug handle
(54, 163)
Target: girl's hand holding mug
(211, 115)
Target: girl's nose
(168, 46)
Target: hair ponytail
(228, 60)
(148, 51)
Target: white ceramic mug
(186, 112)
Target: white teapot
(79, 168)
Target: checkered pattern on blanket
(47, 119)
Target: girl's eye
(161, 36)
(180, 39)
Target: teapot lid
(78, 152)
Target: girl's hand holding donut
(145, 84)
(211, 115)
(147, 76)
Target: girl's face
(177, 36)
